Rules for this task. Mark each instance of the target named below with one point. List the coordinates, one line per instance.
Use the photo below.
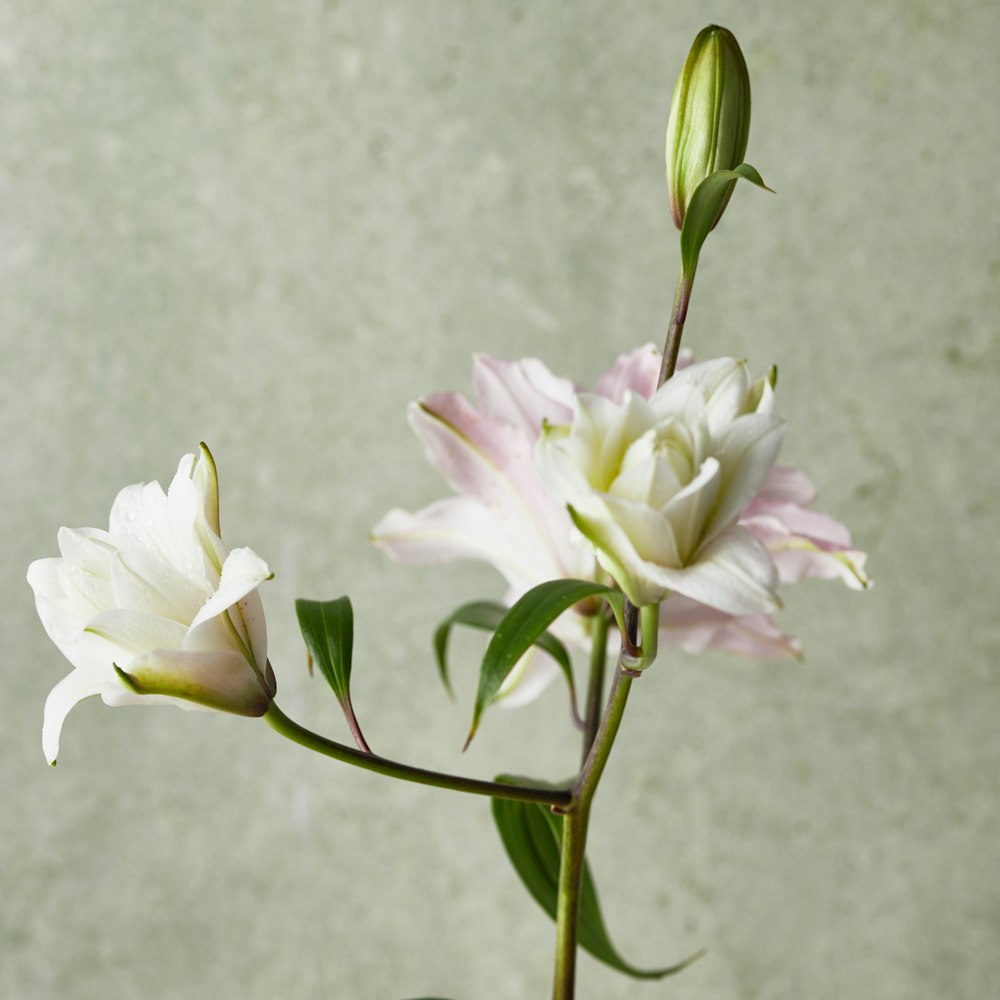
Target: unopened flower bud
(709, 116)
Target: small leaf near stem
(520, 628)
(531, 836)
(328, 630)
(707, 203)
(703, 211)
(487, 615)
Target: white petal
(137, 632)
(139, 516)
(650, 534)
(251, 613)
(618, 557)
(141, 581)
(689, 510)
(648, 475)
(44, 579)
(242, 572)
(72, 688)
(185, 515)
(221, 680)
(746, 453)
(733, 573)
(206, 480)
(86, 545)
(88, 592)
(722, 383)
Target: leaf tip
(472, 733)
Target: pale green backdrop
(269, 225)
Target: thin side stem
(354, 725)
(595, 685)
(677, 317)
(284, 726)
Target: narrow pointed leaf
(521, 628)
(487, 615)
(328, 630)
(531, 835)
(702, 213)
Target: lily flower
(156, 610)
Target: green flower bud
(709, 117)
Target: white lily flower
(502, 514)
(156, 609)
(657, 486)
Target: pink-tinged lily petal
(74, 687)
(799, 561)
(493, 462)
(697, 628)
(465, 447)
(805, 543)
(464, 528)
(790, 519)
(787, 484)
(637, 371)
(523, 394)
(218, 680)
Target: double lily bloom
(672, 492)
(156, 609)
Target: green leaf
(531, 835)
(703, 211)
(487, 615)
(522, 627)
(328, 629)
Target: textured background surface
(269, 226)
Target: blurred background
(269, 226)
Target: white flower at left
(156, 610)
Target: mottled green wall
(269, 225)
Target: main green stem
(281, 724)
(574, 837)
(577, 816)
(595, 686)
